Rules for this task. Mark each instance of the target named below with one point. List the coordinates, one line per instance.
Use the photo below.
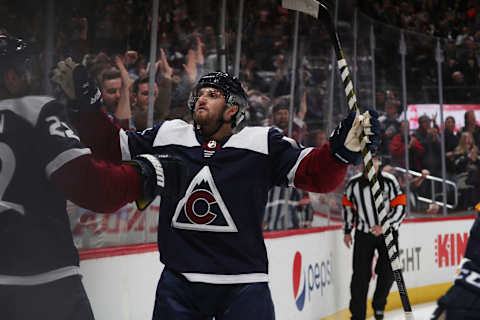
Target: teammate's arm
(98, 186)
(104, 186)
(92, 124)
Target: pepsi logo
(310, 278)
(298, 281)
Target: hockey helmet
(232, 90)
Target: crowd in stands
(455, 23)
(112, 37)
(424, 151)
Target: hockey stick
(322, 8)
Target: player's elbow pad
(161, 175)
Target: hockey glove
(162, 174)
(76, 83)
(345, 139)
(460, 302)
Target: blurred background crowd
(113, 39)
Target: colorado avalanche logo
(298, 282)
(197, 207)
(202, 208)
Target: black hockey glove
(162, 174)
(345, 139)
(76, 83)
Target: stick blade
(306, 6)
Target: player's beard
(207, 125)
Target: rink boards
(310, 271)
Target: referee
(359, 210)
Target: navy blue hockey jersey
(35, 236)
(213, 233)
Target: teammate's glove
(162, 175)
(345, 139)
(76, 83)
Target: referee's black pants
(363, 250)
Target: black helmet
(14, 52)
(232, 90)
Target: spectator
(397, 149)
(258, 106)
(449, 68)
(451, 142)
(318, 138)
(458, 92)
(451, 137)
(134, 64)
(416, 187)
(390, 126)
(471, 71)
(161, 97)
(114, 84)
(277, 207)
(305, 211)
(380, 99)
(280, 113)
(466, 162)
(193, 67)
(429, 138)
(471, 126)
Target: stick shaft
(368, 162)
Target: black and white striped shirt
(359, 206)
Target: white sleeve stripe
(124, 145)
(293, 171)
(63, 158)
(226, 278)
(40, 278)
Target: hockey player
(210, 240)
(42, 163)
(461, 300)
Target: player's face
(111, 93)
(209, 106)
(142, 95)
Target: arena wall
(310, 271)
